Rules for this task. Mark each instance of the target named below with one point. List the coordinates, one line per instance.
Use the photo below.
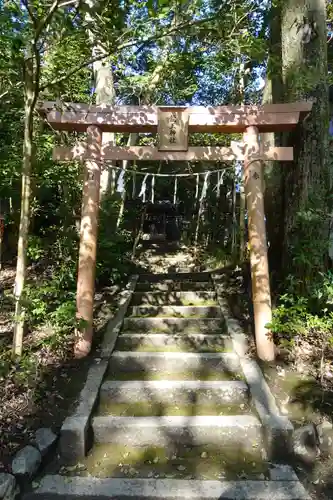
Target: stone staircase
(175, 418)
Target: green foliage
(114, 246)
(53, 300)
(307, 246)
(23, 370)
(216, 257)
(310, 316)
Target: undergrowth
(308, 317)
(50, 292)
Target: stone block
(282, 472)
(176, 310)
(174, 325)
(73, 438)
(175, 297)
(278, 432)
(26, 462)
(196, 342)
(127, 361)
(168, 391)
(74, 432)
(237, 431)
(8, 487)
(305, 443)
(45, 439)
(171, 489)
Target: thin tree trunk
(31, 71)
(21, 265)
(131, 142)
(138, 236)
(197, 227)
(234, 217)
(242, 206)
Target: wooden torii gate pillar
(173, 126)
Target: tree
(35, 39)
(306, 183)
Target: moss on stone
(180, 347)
(200, 374)
(158, 409)
(182, 462)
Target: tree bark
(131, 142)
(273, 191)
(104, 91)
(21, 265)
(307, 181)
(242, 199)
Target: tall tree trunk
(307, 180)
(105, 94)
(21, 265)
(273, 191)
(242, 198)
(104, 91)
(234, 219)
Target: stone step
(176, 461)
(171, 286)
(203, 373)
(174, 298)
(147, 362)
(94, 488)
(170, 409)
(171, 391)
(174, 325)
(166, 342)
(176, 311)
(173, 276)
(241, 432)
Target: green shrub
(305, 316)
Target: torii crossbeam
(173, 125)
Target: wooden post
(258, 245)
(88, 243)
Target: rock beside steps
(175, 419)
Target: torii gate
(173, 124)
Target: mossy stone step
(160, 409)
(176, 461)
(176, 311)
(238, 431)
(97, 488)
(180, 392)
(158, 298)
(202, 373)
(174, 325)
(243, 432)
(171, 286)
(164, 342)
(176, 277)
(129, 361)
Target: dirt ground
(43, 392)
(301, 381)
